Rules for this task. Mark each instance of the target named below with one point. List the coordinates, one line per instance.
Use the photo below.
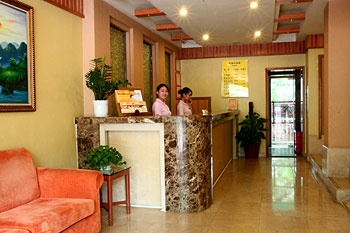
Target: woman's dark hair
(162, 85)
(184, 91)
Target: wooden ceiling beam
(287, 30)
(291, 1)
(181, 37)
(167, 27)
(291, 17)
(75, 7)
(148, 12)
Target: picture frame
(17, 80)
(232, 104)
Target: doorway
(285, 96)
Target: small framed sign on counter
(129, 101)
(232, 104)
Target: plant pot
(252, 150)
(101, 108)
(106, 170)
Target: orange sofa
(45, 199)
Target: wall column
(336, 151)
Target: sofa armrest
(69, 183)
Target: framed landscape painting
(17, 81)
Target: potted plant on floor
(251, 133)
(99, 80)
(102, 157)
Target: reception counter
(170, 156)
(224, 146)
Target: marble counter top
(218, 118)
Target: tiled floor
(265, 195)
(282, 150)
(339, 187)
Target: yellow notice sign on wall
(234, 81)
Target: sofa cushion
(18, 178)
(47, 214)
(13, 230)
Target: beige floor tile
(283, 224)
(329, 225)
(253, 196)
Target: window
(118, 53)
(168, 75)
(148, 74)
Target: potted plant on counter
(102, 157)
(99, 80)
(251, 133)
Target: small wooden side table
(115, 174)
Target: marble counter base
(187, 156)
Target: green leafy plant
(99, 80)
(252, 129)
(102, 156)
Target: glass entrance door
(285, 111)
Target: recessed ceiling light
(183, 11)
(257, 34)
(254, 5)
(205, 37)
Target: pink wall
(96, 34)
(337, 78)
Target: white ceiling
(228, 21)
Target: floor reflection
(283, 150)
(283, 183)
(265, 195)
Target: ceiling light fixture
(254, 5)
(205, 37)
(183, 11)
(257, 34)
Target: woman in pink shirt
(159, 107)
(184, 107)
